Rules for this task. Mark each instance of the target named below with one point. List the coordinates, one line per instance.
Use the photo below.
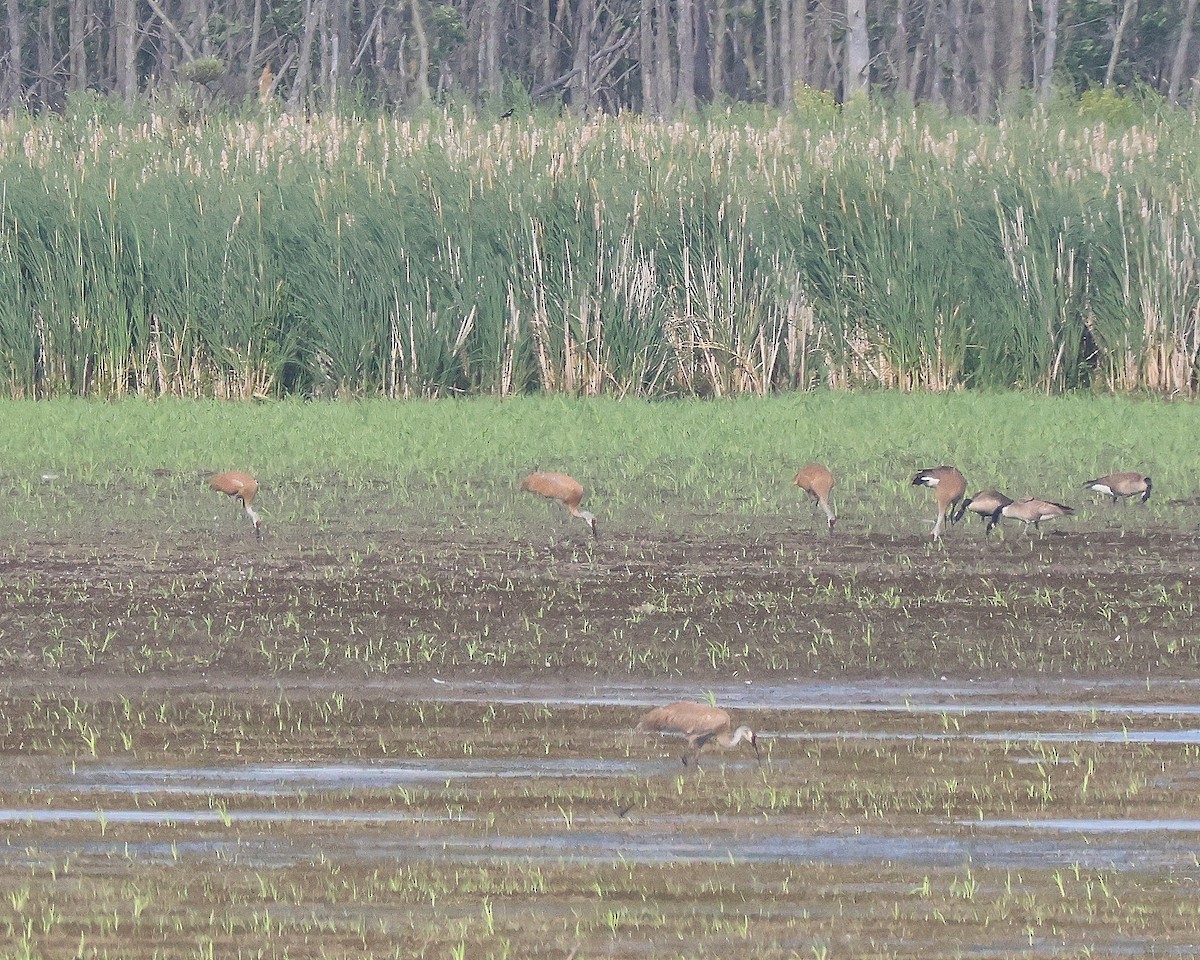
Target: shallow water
(1091, 825)
(295, 779)
(1011, 736)
(310, 822)
(1094, 844)
(1170, 698)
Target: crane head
(591, 522)
(832, 523)
(745, 733)
(257, 521)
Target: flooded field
(416, 738)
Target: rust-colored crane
(566, 490)
(243, 488)
(700, 724)
(948, 488)
(815, 479)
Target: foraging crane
(700, 723)
(242, 487)
(815, 478)
(1031, 510)
(1126, 483)
(985, 503)
(566, 490)
(948, 488)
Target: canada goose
(948, 488)
(985, 503)
(1031, 510)
(816, 479)
(1128, 483)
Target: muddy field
(398, 736)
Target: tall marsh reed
(613, 255)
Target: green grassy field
(397, 537)
(184, 710)
(677, 462)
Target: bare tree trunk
(927, 65)
(703, 52)
(125, 47)
(786, 78)
(721, 44)
(685, 40)
(334, 72)
(47, 87)
(1050, 51)
(799, 56)
(769, 56)
(14, 84)
(545, 59)
(900, 58)
(194, 19)
(418, 23)
(664, 64)
(340, 33)
(1128, 9)
(1014, 74)
(580, 84)
(77, 53)
(987, 62)
(958, 34)
(489, 79)
(823, 66)
(646, 58)
(1179, 60)
(738, 65)
(856, 80)
(255, 36)
(301, 83)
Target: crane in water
(700, 724)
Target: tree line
(658, 57)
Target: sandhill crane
(700, 724)
(1031, 510)
(566, 490)
(242, 487)
(985, 503)
(1127, 483)
(814, 478)
(948, 488)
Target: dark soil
(387, 744)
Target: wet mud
(427, 748)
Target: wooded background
(654, 56)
